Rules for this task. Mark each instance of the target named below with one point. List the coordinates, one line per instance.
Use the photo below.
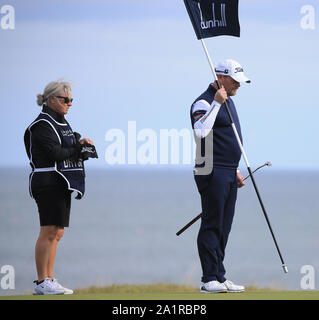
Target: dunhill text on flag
(211, 18)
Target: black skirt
(54, 205)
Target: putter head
(285, 268)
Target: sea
(124, 230)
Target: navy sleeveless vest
(220, 147)
(72, 171)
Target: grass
(164, 291)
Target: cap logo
(238, 69)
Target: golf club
(197, 217)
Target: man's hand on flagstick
(221, 95)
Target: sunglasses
(66, 99)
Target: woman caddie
(56, 157)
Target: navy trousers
(218, 196)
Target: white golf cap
(233, 69)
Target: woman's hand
(86, 140)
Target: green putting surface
(250, 295)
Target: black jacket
(45, 149)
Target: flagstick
(244, 155)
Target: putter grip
(188, 225)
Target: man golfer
(216, 173)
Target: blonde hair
(54, 88)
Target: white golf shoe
(47, 287)
(231, 287)
(58, 286)
(213, 287)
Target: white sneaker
(231, 287)
(213, 287)
(47, 287)
(58, 286)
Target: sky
(139, 62)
